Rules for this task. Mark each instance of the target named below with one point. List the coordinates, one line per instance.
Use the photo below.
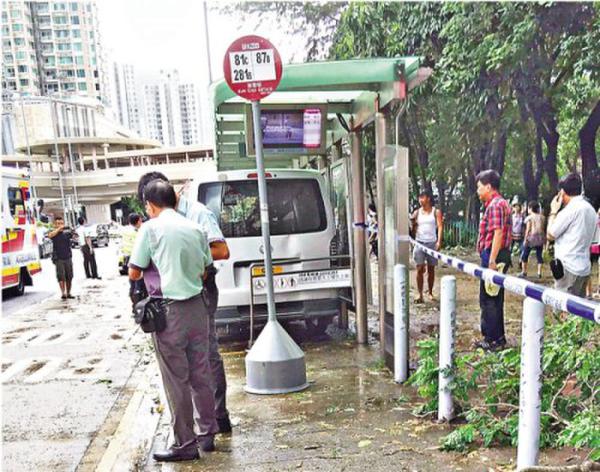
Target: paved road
(45, 284)
(64, 366)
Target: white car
(302, 227)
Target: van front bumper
(286, 311)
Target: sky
(157, 34)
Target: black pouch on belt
(558, 271)
(210, 289)
(151, 314)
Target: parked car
(46, 247)
(102, 238)
(99, 236)
(44, 242)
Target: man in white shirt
(87, 249)
(572, 229)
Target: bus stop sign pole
(275, 363)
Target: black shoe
(491, 346)
(98, 278)
(176, 456)
(206, 443)
(64, 297)
(70, 297)
(224, 425)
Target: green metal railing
(460, 233)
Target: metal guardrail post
(446, 350)
(530, 390)
(401, 323)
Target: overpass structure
(78, 156)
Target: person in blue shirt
(206, 219)
(172, 254)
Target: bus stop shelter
(353, 94)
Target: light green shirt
(173, 253)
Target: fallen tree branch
(587, 466)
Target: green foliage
(134, 205)
(486, 390)
(502, 73)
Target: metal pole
(206, 38)
(400, 323)
(275, 364)
(360, 250)
(53, 114)
(530, 389)
(31, 186)
(264, 210)
(68, 109)
(446, 353)
(380, 141)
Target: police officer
(200, 214)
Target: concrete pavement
(64, 365)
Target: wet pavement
(81, 389)
(64, 364)
(353, 417)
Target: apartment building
(53, 48)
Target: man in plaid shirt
(494, 247)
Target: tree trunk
(589, 160)
(500, 152)
(531, 189)
(551, 139)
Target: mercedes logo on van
(261, 248)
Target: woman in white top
(427, 227)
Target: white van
(302, 227)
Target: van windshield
(295, 206)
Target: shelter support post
(446, 350)
(359, 243)
(343, 319)
(380, 142)
(530, 390)
(401, 323)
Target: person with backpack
(534, 239)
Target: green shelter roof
(354, 89)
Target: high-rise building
(19, 60)
(154, 104)
(53, 48)
(190, 114)
(168, 106)
(125, 102)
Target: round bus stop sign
(252, 67)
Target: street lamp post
(26, 133)
(71, 164)
(53, 114)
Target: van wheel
(317, 326)
(20, 288)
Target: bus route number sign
(252, 67)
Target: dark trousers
(182, 350)
(216, 361)
(492, 308)
(89, 262)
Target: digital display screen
(291, 128)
